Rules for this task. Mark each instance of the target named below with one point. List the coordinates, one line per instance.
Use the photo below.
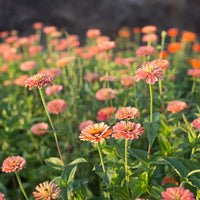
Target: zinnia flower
(49, 29)
(53, 72)
(105, 94)
(107, 45)
(47, 191)
(176, 106)
(127, 81)
(2, 196)
(13, 164)
(177, 193)
(28, 65)
(173, 32)
(195, 63)
(196, 47)
(150, 37)
(37, 25)
(148, 29)
(40, 128)
(93, 33)
(101, 39)
(108, 78)
(136, 30)
(196, 123)
(127, 113)
(188, 36)
(145, 51)
(162, 54)
(85, 124)
(168, 179)
(149, 71)
(91, 77)
(164, 64)
(20, 80)
(95, 133)
(105, 113)
(38, 80)
(174, 47)
(54, 89)
(128, 130)
(124, 32)
(56, 106)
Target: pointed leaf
(55, 163)
(139, 154)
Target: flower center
(95, 130)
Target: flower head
(105, 113)
(145, 51)
(40, 128)
(168, 179)
(194, 72)
(196, 123)
(176, 106)
(188, 36)
(173, 32)
(47, 191)
(196, 47)
(85, 124)
(38, 80)
(95, 133)
(177, 193)
(164, 64)
(105, 94)
(127, 81)
(150, 37)
(128, 130)
(20, 80)
(127, 113)
(149, 71)
(108, 78)
(174, 47)
(91, 77)
(2, 196)
(107, 45)
(93, 33)
(54, 89)
(53, 72)
(56, 106)
(28, 65)
(149, 29)
(13, 164)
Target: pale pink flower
(177, 193)
(91, 77)
(20, 80)
(176, 106)
(105, 94)
(53, 72)
(38, 80)
(33, 50)
(108, 78)
(145, 51)
(56, 106)
(40, 128)
(54, 89)
(196, 123)
(107, 45)
(164, 64)
(13, 164)
(127, 81)
(96, 133)
(28, 65)
(105, 113)
(47, 191)
(122, 61)
(194, 72)
(127, 113)
(85, 124)
(128, 130)
(2, 196)
(149, 71)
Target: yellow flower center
(95, 130)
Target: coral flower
(195, 63)
(188, 36)
(105, 94)
(177, 193)
(91, 77)
(4, 68)
(96, 133)
(56, 106)
(124, 32)
(93, 33)
(176, 106)
(20, 80)
(53, 72)
(174, 47)
(62, 62)
(122, 61)
(196, 47)
(148, 29)
(163, 54)
(40, 128)
(84, 124)
(49, 29)
(196, 123)
(168, 179)
(101, 39)
(164, 64)
(136, 30)
(145, 51)
(194, 72)
(127, 113)
(37, 25)
(173, 32)
(13, 164)
(141, 199)
(106, 46)
(105, 113)
(47, 191)
(28, 65)
(54, 89)
(127, 81)
(108, 78)
(38, 80)
(33, 50)
(2, 196)
(128, 130)
(150, 37)
(4, 34)
(149, 71)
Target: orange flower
(173, 32)
(49, 29)
(124, 32)
(195, 63)
(168, 179)
(136, 30)
(163, 54)
(174, 47)
(56, 106)
(196, 47)
(127, 81)
(188, 36)
(4, 34)
(4, 68)
(93, 33)
(149, 29)
(62, 62)
(37, 25)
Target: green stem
(193, 86)
(52, 126)
(198, 194)
(151, 103)
(20, 184)
(126, 162)
(101, 158)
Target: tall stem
(101, 158)
(52, 126)
(20, 184)
(151, 103)
(193, 86)
(126, 162)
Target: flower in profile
(101, 39)
(127, 113)
(148, 29)
(162, 54)
(105, 113)
(107, 45)
(136, 30)
(164, 64)
(93, 33)
(13, 164)
(105, 94)
(40, 128)
(150, 37)
(56, 106)
(145, 51)
(4, 34)
(174, 47)
(176, 106)
(127, 81)
(37, 25)
(4, 68)
(33, 50)
(128, 130)
(195, 63)
(49, 29)
(2, 196)
(84, 124)
(91, 77)
(173, 32)
(122, 61)
(149, 71)
(54, 89)
(47, 191)
(38, 80)
(194, 72)
(28, 65)
(196, 47)
(177, 193)
(96, 133)
(168, 179)
(20, 80)
(108, 78)
(62, 62)
(124, 32)
(188, 36)
(196, 123)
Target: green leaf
(78, 161)
(68, 173)
(55, 163)
(193, 172)
(155, 117)
(119, 192)
(164, 144)
(156, 191)
(139, 154)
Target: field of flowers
(114, 119)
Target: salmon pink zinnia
(13, 164)
(127, 81)
(56, 106)
(40, 128)
(54, 89)
(95, 133)
(145, 51)
(176, 106)
(105, 113)
(2, 196)
(105, 94)
(164, 64)
(127, 113)
(194, 72)
(28, 65)
(85, 124)
(196, 123)
(177, 193)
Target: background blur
(76, 16)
